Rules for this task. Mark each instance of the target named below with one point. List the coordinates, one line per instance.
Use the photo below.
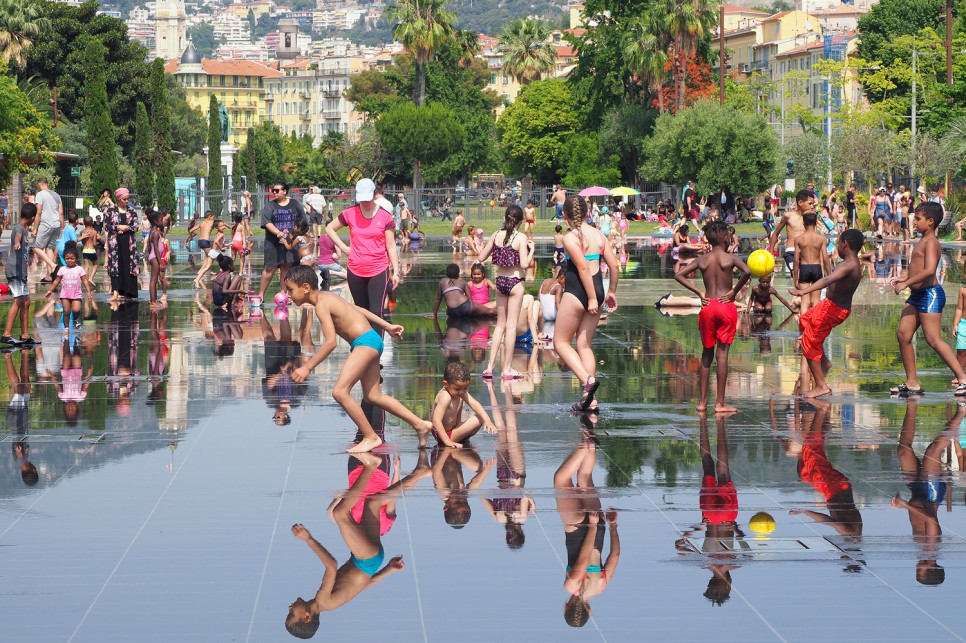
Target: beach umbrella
(624, 192)
(595, 190)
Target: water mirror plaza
(166, 490)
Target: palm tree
(20, 21)
(423, 26)
(528, 52)
(645, 51)
(688, 21)
(468, 43)
(954, 142)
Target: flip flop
(588, 396)
(960, 391)
(904, 391)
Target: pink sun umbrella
(595, 190)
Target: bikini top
(591, 257)
(506, 256)
(301, 242)
(452, 288)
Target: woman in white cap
(371, 250)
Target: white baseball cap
(365, 190)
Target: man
(690, 202)
(48, 225)
(559, 198)
(315, 207)
(850, 207)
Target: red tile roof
(777, 16)
(230, 68)
(733, 8)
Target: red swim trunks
(817, 324)
(717, 323)
(719, 503)
(815, 469)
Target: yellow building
(239, 85)
(241, 9)
(736, 17)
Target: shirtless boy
(559, 198)
(818, 322)
(925, 304)
(811, 260)
(529, 220)
(718, 319)
(792, 222)
(203, 231)
(449, 428)
(759, 299)
(458, 224)
(355, 325)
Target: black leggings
(370, 293)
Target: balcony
(744, 68)
(332, 93)
(306, 95)
(758, 65)
(305, 116)
(269, 97)
(332, 115)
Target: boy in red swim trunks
(718, 319)
(817, 324)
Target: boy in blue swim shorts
(365, 565)
(339, 318)
(924, 307)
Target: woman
(512, 253)
(105, 202)
(456, 293)
(371, 250)
(579, 310)
(123, 268)
(278, 219)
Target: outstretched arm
(824, 282)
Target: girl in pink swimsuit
(480, 286)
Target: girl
(469, 246)
(622, 226)
(477, 242)
(239, 242)
(456, 293)
(579, 310)
(458, 224)
(69, 278)
(89, 238)
(165, 254)
(512, 253)
(480, 286)
(154, 253)
(301, 243)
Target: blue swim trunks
(928, 490)
(928, 300)
(961, 335)
(370, 565)
(372, 339)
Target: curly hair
(456, 372)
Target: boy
(458, 224)
(340, 318)
(759, 297)
(925, 304)
(811, 261)
(214, 249)
(341, 584)
(718, 319)
(818, 323)
(203, 231)
(793, 225)
(449, 429)
(16, 273)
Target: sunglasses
(277, 190)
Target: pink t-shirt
(326, 250)
(367, 241)
(73, 385)
(70, 281)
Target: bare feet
(818, 392)
(724, 407)
(369, 460)
(511, 374)
(702, 407)
(423, 436)
(488, 374)
(367, 444)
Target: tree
(267, 147)
(717, 146)
(215, 180)
(143, 161)
(954, 142)
(528, 54)
(251, 170)
(101, 144)
(534, 129)
(419, 135)
(251, 25)
(25, 134)
(869, 150)
(688, 21)
(890, 19)
(20, 22)
(622, 132)
(646, 52)
(422, 26)
(236, 176)
(810, 153)
(371, 92)
(163, 157)
(584, 164)
(203, 37)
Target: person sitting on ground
(459, 300)
(759, 297)
(449, 428)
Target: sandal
(960, 391)
(904, 391)
(588, 396)
(488, 375)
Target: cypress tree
(215, 182)
(163, 159)
(101, 145)
(143, 172)
(250, 167)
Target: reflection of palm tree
(20, 22)
(528, 55)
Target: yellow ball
(761, 263)
(492, 203)
(762, 523)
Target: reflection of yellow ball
(492, 203)
(761, 263)
(762, 523)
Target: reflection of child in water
(72, 390)
(719, 508)
(927, 490)
(448, 480)
(282, 357)
(365, 565)
(17, 416)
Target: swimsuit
(506, 256)
(928, 300)
(370, 338)
(573, 284)
(506, 284)
(789, 257)
(204, 244)
(718, 502)
(817, 324)
(717, 323)
(928, 490)
(809, 273)
(480, 294)
(961, 335)
(574, 541)
(370, 565)
(815, 469)
(548, 303)
(463, 310)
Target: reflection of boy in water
(719, 507)
(927, 490)
(448, 480)
(578, 504)
(282, 356)
(17, 416)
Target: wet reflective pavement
(168, 481)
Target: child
(480, 286)
(215, 248)
(449, 428)
(468, 246)
(819, 321)
(89, 238)
(449, 481)
(811, 261)
(759, 299)
(477, 241)
(301, 243)
(203, 230)
(959, 328)
(226, 285)
(529, 219)
(154, 253)
(718, 319)
(551, 290)
(458, 224)
(70, 277)
(16, 273)
(239, 242)
(559, 256)
(165, 254)
(925, 304)
(340, 318)
(68, 234)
